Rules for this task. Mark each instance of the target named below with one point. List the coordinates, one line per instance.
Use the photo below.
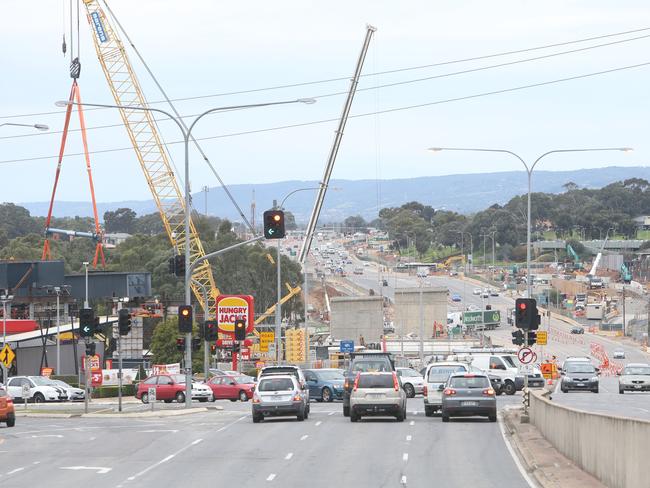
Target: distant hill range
(465, 193)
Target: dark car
(325, 385)
(468, 395)
(576, 329)
(364, 362)
(579, 376)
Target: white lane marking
(47, 435)
(99, 469)
(288, 456)
(36, 462)
(403, 480)
(231, 423)
(557, 387)
(318, 423)
(408, 438)
(304, 437)
(412, 422)
(405, 456)
(331, 413)
(14, 471)
(513, 454)
(164, 460)
(271, 477)
(154, 430)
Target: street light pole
(85, 263)
(5, 299)
(529, 172)
(34, 126)
(58, 332)
(186, 132)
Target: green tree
(163, 344)
(120, 220)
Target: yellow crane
(148, 147)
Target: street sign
(47, 371)
(7, 356)
(346, 346)
(25, 391)
(492, 317)
(527, 369)
(235, 307)
(265, 339)
(526, 355)
(542, 337)
(95, 362)
(152, 394)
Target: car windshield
(276, 384)
(640, 370)
(370, 366)
(440, 374)
(376, 381)
(330, 375)
(581, 368)
(41, 381)
(244, 380)
(469, 382)
(61, 383)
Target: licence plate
(580, 384)
(468, 404)
(376, 395)
(637, 386)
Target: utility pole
(205, 194)
(58, 333)
(421, 326)
(624, 325)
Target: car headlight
(594, 378)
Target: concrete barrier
(613, 449)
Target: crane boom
(149, 149)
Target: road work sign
(235, 307)
(7, 356)
(542, 338)
(265, 339)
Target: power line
(379, 112)
(379, 73)
(376, 87)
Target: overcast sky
(201, 48)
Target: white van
(505, 366)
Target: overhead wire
(376, 87)
(366, 114)
(380, 73)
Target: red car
(170, 387)
(232, 388)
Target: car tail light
(297, 397)
(395, 382)
(488, 392)
(10, 401)
(449, 391)
(356, 382)
(425, 391)
(256, 399)
(346, 384)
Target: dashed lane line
(270, 477)
(408, 438)
(318, 423)
(405, 456)
(288, 456)
(164, 460)
(304, 437)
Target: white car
(435, 377)
(201, 392)
(40, 389)
(73, 393)
(619, 354)
(412, 381)
(476, 291)
(634, 377)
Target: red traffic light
(522, 305)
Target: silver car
(634, 377)
(468, 395)
(278, 395)
(377, 394)
(74, 394)
(412, 381)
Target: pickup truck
(364, 362)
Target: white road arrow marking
(99, 469)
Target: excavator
(626, 275)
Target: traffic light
(124, 321)
(90, 349)
(532, 338)
(213, 349)
(180, 343)
(196, 344)
(185, 318)
(179, 265)
(518, 337)
(171, 265)
(526, 315)
(240, 330)
(211, 330)
(274, 224)
(86, 322)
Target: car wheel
(509, 388)
(326, 395)
(168, 400)
(621, 391)
(428, 411)
(145, 398)
(400, 416)
(346, 411)
(300, 416)
(11, 422)
(410, 391)
(595, 390)
(39, 398)
(445, 418)
(492, 418)
(243, 397)
(257, 418)
(564, 390)
(306, 414)
(180, 397)
(353, 417)
(233, 399)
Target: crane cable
(173, 107)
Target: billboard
(235, 307)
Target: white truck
(422, 272)
(595, 311)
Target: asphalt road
(226, 449)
